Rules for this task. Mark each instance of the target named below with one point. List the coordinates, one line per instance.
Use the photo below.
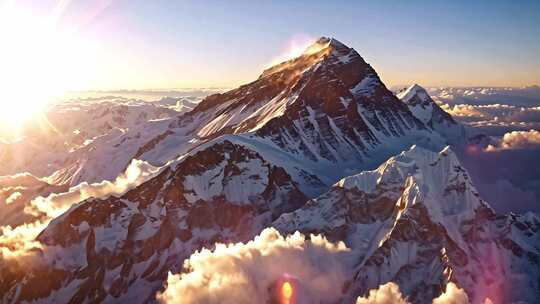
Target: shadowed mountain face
(252, 157)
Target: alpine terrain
(290, 150)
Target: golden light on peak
(295, 47)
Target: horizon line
(158, 90)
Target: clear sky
(142, 44)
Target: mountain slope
(120, 249)
(15, 194)
(326, 109)
(326, 112)
(418, 221)
(75, 130)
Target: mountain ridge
(418, 221)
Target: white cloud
(13, 197)
(54, 205)
(494, 112)
(452, 295)
(20, 180)
(240, 273)
(523, 96)
(517, 140)
(18, 242)
(389, 293)
(386, 294)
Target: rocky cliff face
(121, 248)
(418, 221)
(341, 109)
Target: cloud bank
(495, 119)
(516, 96)
(389, 294)
(13, 197)
(502, 156)
(240, 273)
(54, 205)
(317, 269)
(19, 242)
(452, 295)
(517, 140)
(493, 111)
(386, 294)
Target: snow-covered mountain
(320, 116)
(71, 130)
(249, 158)
(427, 111)
(120, 249)
(327, 107)
(418, 221)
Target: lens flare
(287, 292)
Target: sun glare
(37, 63)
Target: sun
(37, 60)
(27, 61)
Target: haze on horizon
(107, 45)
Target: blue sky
(164, 44)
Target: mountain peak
(325, 43)
(329, 89)
(431, 114)
(415, 91)
(436, 180)
(321, 49)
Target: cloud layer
(524, 96)
(316, 268)
(240, 273)
(517, 140)
(495, 119)
(503, 164)
(493, 111)
(386, 294)
(136, 173)
(389, 293)
(18, 242)
(452, 295)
